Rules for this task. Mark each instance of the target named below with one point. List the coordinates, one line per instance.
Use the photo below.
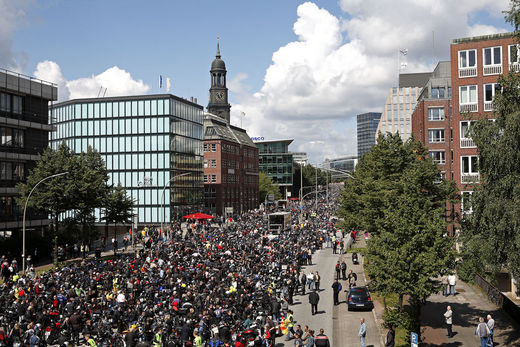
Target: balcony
(468, 108)
(492, 69)
(470, 178)
(467, 143)
(468, 72)
(488, 106)
(515, 67)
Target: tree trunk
(401, 302)
(415, 324)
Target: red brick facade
(230, 176)
(491, 58)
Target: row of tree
(396, 194)
(80, 192)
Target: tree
(395, 195)
(89, 179)
(53, 196)
(266, 187)
(81, 191)
(374, 185)
(118, 208)
(491, 235)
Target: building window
(440, 178)
(465, 134)
(469, 169)
(6, 205)
(213, 147)
(492, 60)
(514, 58)
(468, 63)
(438, 157)
(436, 113)
(206, 179)
(468, 98)
(5, 102)
(466, 202)
(489, 94)
(435, 135)
(213, 178)
(213, 162)
(11, 137)
(438, 93)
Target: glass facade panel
(133, 135)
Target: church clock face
(220, 96)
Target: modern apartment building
(366, 131)
(476, 63)
(400, 103)
(146, 141)
(431, 119)
(276, 161)
(24, 131)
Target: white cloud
(340, 67)
(12, 13)
(116, 81)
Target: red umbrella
(198, 215)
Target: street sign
(415, 339)
(270, 197)
(228, 210)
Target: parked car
(358, 298)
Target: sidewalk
(467, 305)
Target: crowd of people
(217, 284)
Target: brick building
(476, 63)
(431, 119)
(230, 157)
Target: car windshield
(359, 292)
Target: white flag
(404, 51)
(168, 84)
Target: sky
(299, 70)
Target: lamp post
(316, 200)
(162, 196)
(25, 210)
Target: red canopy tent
(198, 215)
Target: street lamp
(162, 197)
(25, 210)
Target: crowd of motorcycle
(216, 283)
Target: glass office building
(366, 131)
(276, 161)
(145, 141)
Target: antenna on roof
(105, 92)
(100, 90)
(433, 46)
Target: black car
(359, 299)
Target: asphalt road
(340, 325)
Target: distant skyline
(297, 69)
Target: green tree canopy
(490, 235)
(397, 195)
(81, 191)
(266, 187)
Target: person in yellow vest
(157, 340)
(289, 321)
(197, 340)
(90, 341)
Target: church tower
(218, 93)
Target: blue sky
(298, 69)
